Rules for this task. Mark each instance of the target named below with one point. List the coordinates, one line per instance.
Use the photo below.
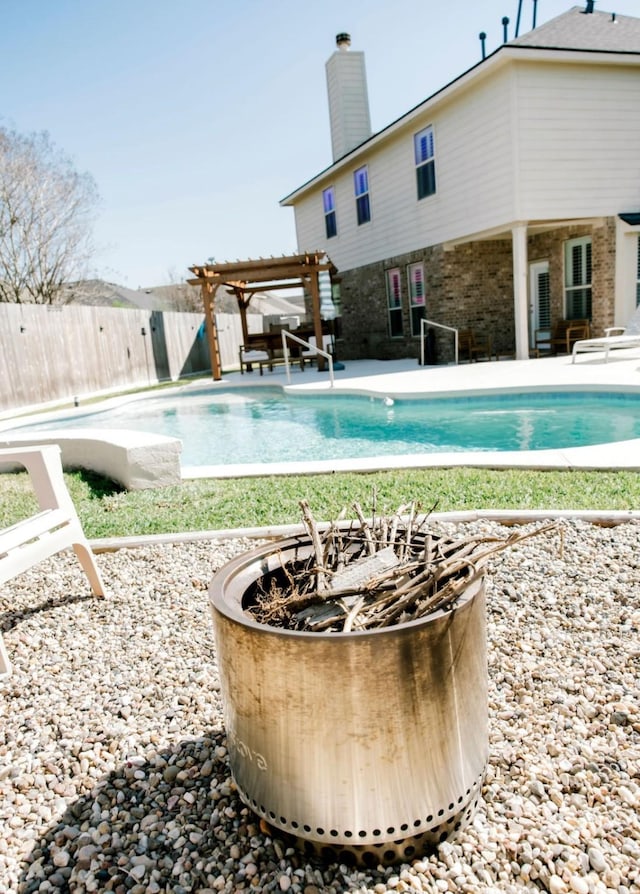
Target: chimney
(348, 98)
(589, 7)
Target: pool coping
(140, 460)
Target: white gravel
(113, 766)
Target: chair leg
(87, 561)
(5, 664)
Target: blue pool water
(218, 427)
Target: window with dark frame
(329, 205)
(424, 149)
(361, 188)
(577, 278)
(416, 296)
(394, 302)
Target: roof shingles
(577, 29)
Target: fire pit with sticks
(352, 663)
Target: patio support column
(520, 297)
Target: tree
(46, 215)
(178, 295)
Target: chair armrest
(574, 333)
(618, 330)
(44, 465)
(580, 330)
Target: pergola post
(243, 303)
(208, 296)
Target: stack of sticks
(375, 572)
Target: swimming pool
(266, 425)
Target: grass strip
(211, 504)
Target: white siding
(474, 174)
(534, 141)
(579, 140)
(475, 151)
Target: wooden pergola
(245, 278)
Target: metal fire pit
(363, 747)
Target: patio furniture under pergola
(246, 278)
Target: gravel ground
(113, 763)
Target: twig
(426, 572)
(312, 530)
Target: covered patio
(245, 278)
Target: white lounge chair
(51, 530)
(615, 337)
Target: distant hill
(176, 297)
(97, 292)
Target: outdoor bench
(265, 349)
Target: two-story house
(505, 202)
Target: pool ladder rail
(306, 344)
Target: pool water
(264, 425)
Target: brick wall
(467, 287)
(549, 247)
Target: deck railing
(423, 335)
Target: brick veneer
(467, 287)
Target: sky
(196, 117)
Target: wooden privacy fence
(51, 353)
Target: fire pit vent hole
(396, 842)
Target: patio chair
(562, 337)
(472, 347)
(249, 356)
(625, 337)
(311, 353)
(51, 530)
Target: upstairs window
(425, 162)
(416, 296)
(361, 188)
(577, 278)
(329, 205)
(394, 302)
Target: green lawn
(209, 504)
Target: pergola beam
(262, 275)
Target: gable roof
(579, 30)
(572, 31)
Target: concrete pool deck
(142, 461)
